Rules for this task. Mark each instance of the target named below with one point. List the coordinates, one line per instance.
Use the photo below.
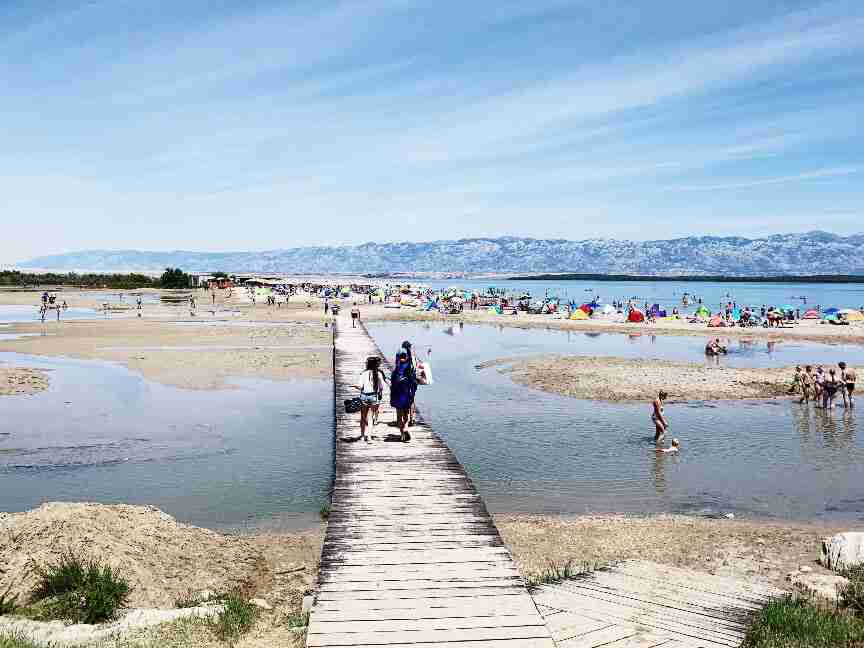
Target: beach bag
(353, 405)
(424, 373)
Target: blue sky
(254, 125)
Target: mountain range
(814, 252)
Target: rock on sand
(161, 558)
(843, 550)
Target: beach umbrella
(788, 308)
(811, 314)
(830, 311)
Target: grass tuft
(190, 600)
(801, 623)
(324, 511)
(851, 597)
(557, 571)
(80, 590)
(15, 641)
(298, 620)
(8, 602)
(235, 619)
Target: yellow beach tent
(579, 314)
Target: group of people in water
(49, 302)
(403, 382)
(823, 387)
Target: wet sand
(807, 330)
(203, 352)
(619, 379)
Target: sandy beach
(169, 346)
(166, 561)
(805, 330)
(619, 379)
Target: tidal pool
(529, 451)
(232, 458)
(16, 314)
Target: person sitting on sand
(673, 448)
(661, 425)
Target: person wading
(661, 425)
(848, 377)
(403, 387)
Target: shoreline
(806, 332)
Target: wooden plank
(408, 637)
(600, 637)
(423, 625)
(545, 642)
(411, 555)
(425, 608)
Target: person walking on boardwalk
(407, 348)
(355, 315)
(661, 425)
(371, 388)
(403, 387)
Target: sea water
(531, 451)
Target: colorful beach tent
(852, 315)
(811, 314)
(579, 314)
(830, 313)
(715, 321)
(607, 309)
(703, 311)
(635, 315)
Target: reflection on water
(216, 458)
(536, 452)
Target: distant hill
(809, 253)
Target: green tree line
(171, 278)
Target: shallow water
(128, 298)
(529, 451)
(17, 314)
(225, 459)
(670, 293)
(504, 341)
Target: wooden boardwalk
(645, 605)
(411, 556)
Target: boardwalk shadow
(395, 438)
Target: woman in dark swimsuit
(661, 425)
